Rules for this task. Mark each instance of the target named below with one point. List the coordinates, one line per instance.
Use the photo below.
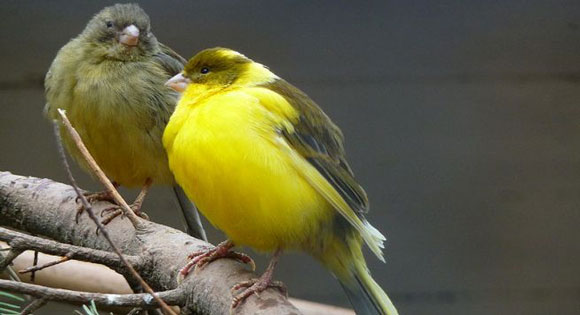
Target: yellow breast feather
(222, 145)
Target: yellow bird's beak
(178, 83)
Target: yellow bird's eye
(204, 70)
(109, 24)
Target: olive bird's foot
(201, 258)
(111, 213)
(93, 197)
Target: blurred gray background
(462, 120)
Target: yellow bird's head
(219, 68)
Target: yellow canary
(110, 80)
(264, 164)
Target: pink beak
(130, 36)
(178, 82)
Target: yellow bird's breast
(223, 152)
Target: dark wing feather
(173, 64)
(171, 61)
(320, 142)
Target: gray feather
(189, 212)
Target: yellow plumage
(229, 144)
(228, 161)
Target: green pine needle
(91, 309)
(9, 305)
(5, 311)
(12, 296)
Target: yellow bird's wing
(315, 146)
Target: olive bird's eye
(204, 70)
(109, 24)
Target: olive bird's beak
(129, 36)
(178, 82)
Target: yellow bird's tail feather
(346, 261)
(366, 296)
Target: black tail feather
(190, 215)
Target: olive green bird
(110, 80)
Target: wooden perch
(46, 208)
(82, 276)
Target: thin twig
(33, 306)
(135, 220)
(35, 268)
(173, 297)
(11, 273)
(23, 241)
(34, 264)
(9, 257)
(127, 211)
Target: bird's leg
(115, 211)
(201, 258)
(255, 286)
(136, 206)
(96, 196)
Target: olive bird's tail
(190, 215)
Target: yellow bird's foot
(255, 286)
(201, 258)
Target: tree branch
(127, 211)
(97, 278)
(33, 306)
(9, 257)
(47, 208)
(172, 297)
(21, 241)
(96, 170)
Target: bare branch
(50, 264)
(73, 275)
(46, 208)
(127, 211)
(12, 274)
(135, 220)
(9, 257)
(34, 263)
(9, 270)
(23, 241)
(33, 306)
(173, 297)
(105, 280)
